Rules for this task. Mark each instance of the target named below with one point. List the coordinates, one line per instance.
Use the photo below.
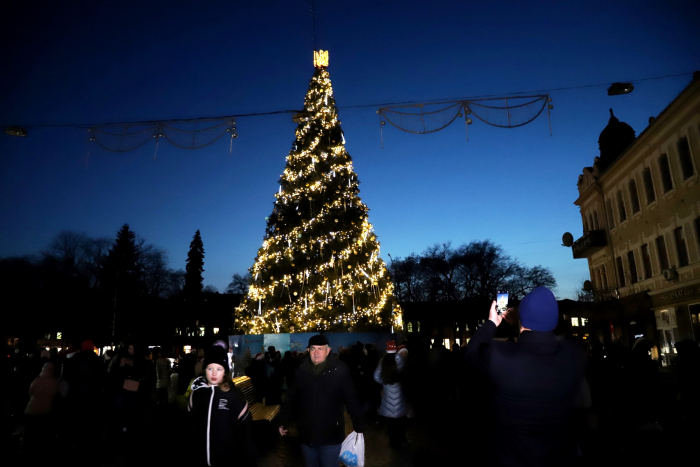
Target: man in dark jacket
(535, 382)
(322, 388)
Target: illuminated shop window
(447, 343)
(574, 321)
(216, 330)
(584, 321)
(201, 331)
(694, 310)
(187, 348)
(59, 335)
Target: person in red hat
(394, 405)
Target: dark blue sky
(91, 62)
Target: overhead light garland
(319, 266)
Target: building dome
(613, 140)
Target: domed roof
(613, 140)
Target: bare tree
(210, 289)
(407, 279)
(525, 279)
(583, 295)
(239, 284)
(153, 262)
(476, 269)
(175, 283)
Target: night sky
(114, 61)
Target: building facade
(640, 208)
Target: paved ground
(446, 434)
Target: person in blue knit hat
(535, 382)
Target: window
(685, 158)
(418, 326)
(410, 327)
(216, 330)
(661, 251)
(646, 261)
(649, 186)
(667, 335)
(611, 218)
(665, 169)
(633, 267)
(620, 271)
(596, 225)
(574, 321)
(634, 196)
(605, 278)
(584, 321)
(621, 207)
(201, 331)
(681, 248)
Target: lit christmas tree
(319, 266)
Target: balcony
(591, 242)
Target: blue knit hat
(539, 310)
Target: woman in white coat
(394, 405)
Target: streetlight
(617, 89)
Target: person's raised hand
(494, 316)
(283, 432)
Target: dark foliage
(194, 267)
(476, 269)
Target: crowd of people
(542, 393)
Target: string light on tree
(319, 267)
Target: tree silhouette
(239, 284)
(476, 269)
(195, 267)
(121, 272)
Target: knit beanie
(216, 355)
(539, 310)
(319, 339)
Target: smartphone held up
(501, 302)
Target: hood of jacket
(47, 370)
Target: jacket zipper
(211, 402)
